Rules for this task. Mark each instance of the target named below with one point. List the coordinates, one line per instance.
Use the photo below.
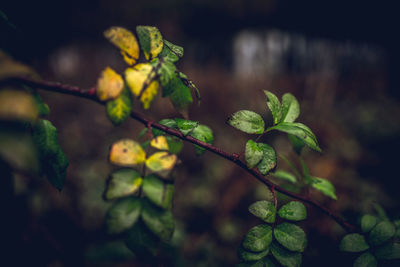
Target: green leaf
(119, 109)
(284, 175)
(297, 143)
(166, 71)
(141, 241)
(264, 210)
(258, 238)
(123, 214)
(293, 211)
(286, 257)
(122, 183)
(251, 256)
(150, 40)
(176, 49)
(368, 222)
(365, 260)
(168, 55)
(381, 233)
(389, 251)
(253, 154)
(268, 161)
(353, 243)
(290, 108)
(324, 186)
(204, 134)
(43, 108)
(186, 126)
(179, 94)
(166, 122)
(158, 192)
(291, 237)
(175, 144)
(274, 105)
(268, 262)
(54, 162)
(247, 121)
(299, 130)
(158, 221)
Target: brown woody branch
(91, 94)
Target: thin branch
(91, 94)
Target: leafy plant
(141, 189)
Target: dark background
(345, 78)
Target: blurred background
(339, 58)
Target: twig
(91, 94)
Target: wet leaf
(204, 134)
(265, 210)
(109, 85)
(291, 237)
(324, 186)
(293, 211)
(179, 94)
(253, 154)
(258, 238)
(123, 214)
(126, 41)
(166, 71)
(268, 161)
(176, 49)
(158, 221)
(161, 161)
(286, 257)
(353, 243)
(274, 106)
(160, 142)
(127, 152)
(290, 108)
(247, 121)
(122, 183)
(150, 40)
(119, 109)
(186, 126)
(158, 192)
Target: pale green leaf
(274, 106)
(293, 211)
(186, 126)
(123, 214)
(268, 161)
(253, 154)
(247, 121)
(324, 186)
(258, 238)
(290, 108)
(122, 183)
(176, 49)
(158, 192)
(284, 175)
(265, 210)
(291, 237)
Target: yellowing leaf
(15, 104)
(161, 161)
(126, 41)
(127, 152)
(109, 85)
(151, 41)
(160, 142)
(10, 68)
(139, 80)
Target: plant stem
(91, 94)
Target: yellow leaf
(139, 79)
(156, 42)
(160, 142)
(126, 41)
(127, 152)
(161, 161)
(16, 104)
(109, 85)
(10, 68)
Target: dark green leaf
(54, 162)
(381, 233)
(297, 143)
(175, 144)
(293, 211)
(204, 134)
(158, 192)
(251, 256)
(290, 108)
(368, 222)
(365, 260)
(324, 186)
(150, 40)
(176, 49)
(389, 251)
(141, 241)
(268, 262)
(123, 214)
(274, 105)
(268, 161)
(179, 94)
(284, 175)
(353, 243)
(258, 238)
(119, 109)
(286, 257)
(264, 210)
(159, 221)
(186, 126)
(299, 130)
(253, 154)
(122, 183)
(247, 121)
(291, 237)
